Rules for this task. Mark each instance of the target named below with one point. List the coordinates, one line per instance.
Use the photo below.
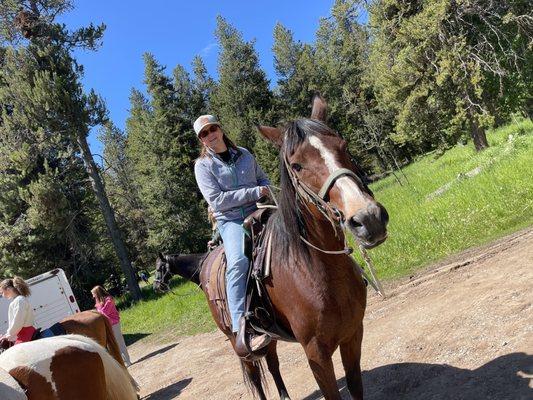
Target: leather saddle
(259, 316)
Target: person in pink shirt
(105, 305)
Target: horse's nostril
(354, 223)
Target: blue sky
(176, 31)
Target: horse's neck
(187, 266)
(320, 231)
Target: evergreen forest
(402, 78)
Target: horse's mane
(287, 222)
(186, 265)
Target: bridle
(332, 214)
(162, 281)
(305, 195)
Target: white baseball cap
(203, 121)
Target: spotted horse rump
(65, 368)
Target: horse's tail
(249, 379)
(114, 350)
(111, 343)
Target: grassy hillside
(443, 205)
(456, 201)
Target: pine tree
(124, 194)
(162, 147)
(242, 97)
(46, 99)
(333, 66)
(446, 67)
(340, 57)
(298, 73)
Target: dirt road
(460, 330)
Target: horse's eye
(297, 167)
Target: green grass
(472, 211)
(422, 229)
(183, 311)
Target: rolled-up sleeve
(218, 199)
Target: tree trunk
(477, 132)
(109, 216)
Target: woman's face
(212, 137)
(8, 293)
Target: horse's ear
(272, 134)
(319, 108)
(161, 256)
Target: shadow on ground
(131, 338)
(169, 392)
(155, 353)
(504, 378)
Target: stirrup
(242, 343)
(257, 342)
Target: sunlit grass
(472, 211)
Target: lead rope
(374, 282)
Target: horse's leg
(351, 360)
(253, 376)
(319, 358)
(273, 366)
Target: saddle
(55, 330)
(215, 285)
(259, 313)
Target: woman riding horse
(231, 182)
(315, 287)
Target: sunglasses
(207, 131)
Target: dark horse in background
(319, 298)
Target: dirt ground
(462, 329)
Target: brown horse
(315, 288)
(96, 326)
(64, 367)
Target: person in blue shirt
(231, 182)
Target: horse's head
(316, 159)
(162, 274)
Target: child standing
(105, 305)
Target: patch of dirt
(462, 329)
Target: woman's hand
(264, 190)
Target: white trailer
(51, 297)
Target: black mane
(287, 223)
(186, 265)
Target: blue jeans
(232, 234)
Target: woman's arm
(262, 178)
(218, 199)
(107, 307)
(16, 323)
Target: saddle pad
(9, 388)
(215, 287)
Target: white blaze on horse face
(350, 191)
